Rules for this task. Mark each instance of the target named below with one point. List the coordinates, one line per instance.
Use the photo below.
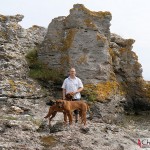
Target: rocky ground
(106, 57)
(22, 127)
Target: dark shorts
(76, 112)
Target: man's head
(72, 72)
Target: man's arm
(64, 93)
(79, 90)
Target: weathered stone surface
(15, 42)
(104, 61)
(79, 40)
(106, 64)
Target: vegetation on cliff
(39, 70)
(103, 92)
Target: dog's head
(69, 97)
(60, 103)
(51, 103)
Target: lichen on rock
(85, 42)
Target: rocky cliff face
(103, 60)
(15, 42)
(80, 40)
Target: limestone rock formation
(15, 42)
(103, 60)
(79, 40)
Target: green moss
(8, 118)
(41, 71)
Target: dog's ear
(63, 102)
(54, 102)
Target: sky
(130, 18)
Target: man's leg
(76, 112)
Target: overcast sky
(130, 18)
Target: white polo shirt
(72, 85)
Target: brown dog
(69, 106)
(53, 111)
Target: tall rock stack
(15, 42)
(104, 61)
(80, 40)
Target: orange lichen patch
(129, 42)
(35, 26)
(122, 50)
(3, 34)
(137, 66)
(89, 23)
(69, 39)
(102, 91)
(112, 58)
(82, 59)
(12, 85)
(3, 18)
(134, 55)
(65, 59)
(15, 26)
(112, 76)
(147, 89)
(112, 54)
(92, 13)
(100, 38)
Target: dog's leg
(84, 117)
(80, 116)
(69, 113)
(49, 113)
(89, 111)
(52, 116)
(65, 118)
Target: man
(73, 85)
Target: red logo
(139, 142)
(144, 143)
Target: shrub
(39, 70)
